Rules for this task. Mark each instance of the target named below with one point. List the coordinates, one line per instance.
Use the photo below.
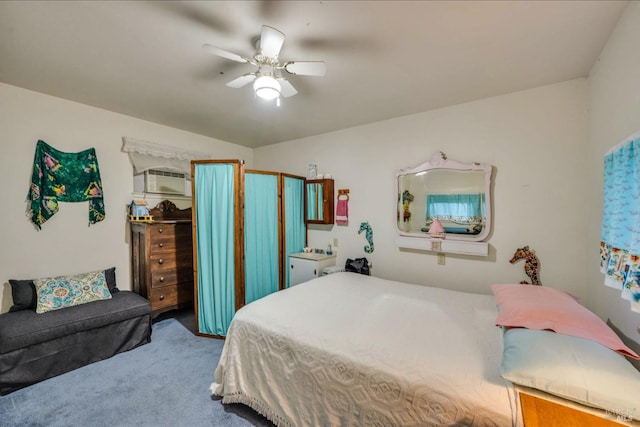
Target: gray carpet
(163, 383)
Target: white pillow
(573, 368)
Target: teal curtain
(319, 201)
(295, 229)
(314, 201)
(215, 229)
(261, 235)
(312, 198)
(620, 233)
(456, 207)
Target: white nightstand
(306, 266)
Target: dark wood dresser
(162, 258)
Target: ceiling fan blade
(306, 68)
(242, 81)
(223, 53)
(197, 13)
(271, 41)
(286, 88)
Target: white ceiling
(384, 58)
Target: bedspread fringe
(254, 404)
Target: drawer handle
(161, 297)
(162, 278)
(161, 245)
(160, 230)
(160, 261)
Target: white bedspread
(353, 350)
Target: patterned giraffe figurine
(531, 264)
(369, 235)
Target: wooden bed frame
(542, 410)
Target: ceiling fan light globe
(268, 93)
(266, 87)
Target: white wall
(66, 244)
(547, 161)
(536, 141)
(614, 103)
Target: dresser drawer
(170, 231)
(170, 260)
(171, 277)
(163, 244)
(170, 296)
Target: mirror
(318, 198)
(457, 194)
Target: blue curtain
(620, 236)
(319, 203)
(215, 231)
(456, 207)
(294, 226)
(261, 235)
(312, 198)
(314, 201)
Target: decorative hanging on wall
(406, 199)
(368, 234)
(64, 177)
(531, 264)
(620, 237)
(342, 207)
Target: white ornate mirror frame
(457, 194)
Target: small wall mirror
(319, 201)
(457, 194)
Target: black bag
(358, 265)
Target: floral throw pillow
(54, 293)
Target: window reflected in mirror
(454, 193)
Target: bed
(457, 227)
(350, 349)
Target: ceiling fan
(268, 82)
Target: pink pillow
(541, 307)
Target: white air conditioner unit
(160, 181)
